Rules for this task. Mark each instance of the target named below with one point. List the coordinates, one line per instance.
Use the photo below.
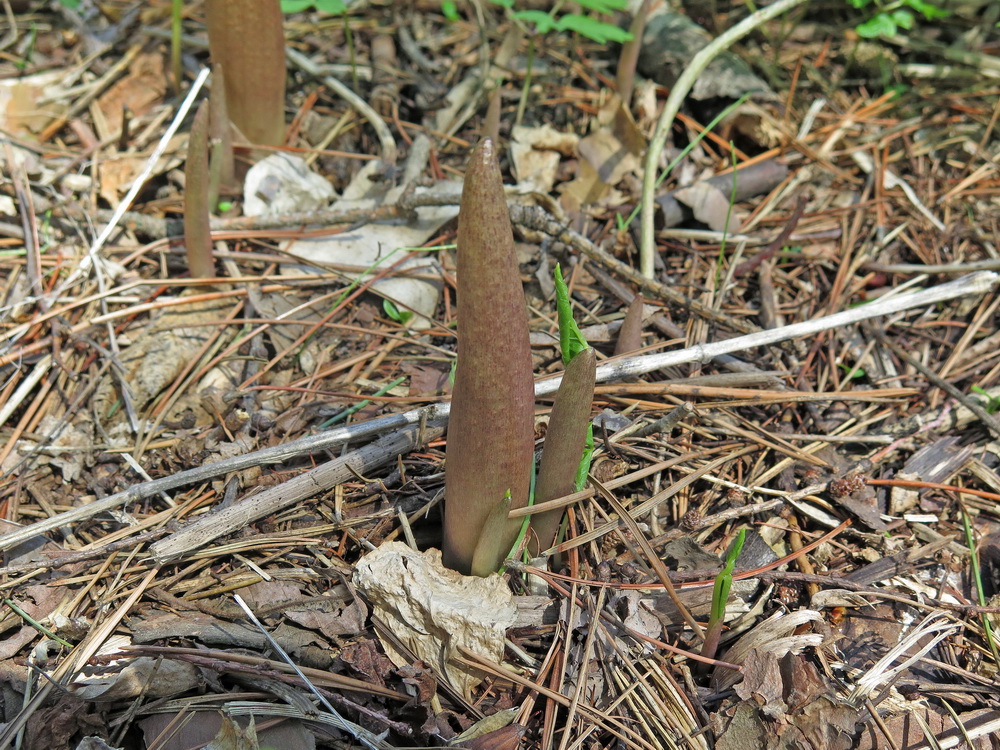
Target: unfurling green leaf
(596, 31)
(878, 26)
(571, 341)
(542, 21)
(400, 316)
(724, 580)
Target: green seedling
(539, 22)
(890, 17)
(247, 39)
(992, 404)
(853, 373)
(571, 340)
(450, 11)
(400, 316)
(491, 429)
(720, 596)
(977, 578)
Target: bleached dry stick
(973, 284)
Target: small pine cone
(691, 520)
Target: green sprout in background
(892, 16)
(538, 23)
(992, 404)
(720, 595)
(400, 316)
(545, 22)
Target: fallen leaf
(435, 611)
(143, 87)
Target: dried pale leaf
(746, 729)
(435, 611)
(12, 643)
(76, 439)
(615, 149)
(710, 206)
(283, 183)
(128, 677)
(636, 611)
(838, 598)
(20, 111)
(776, 635)
(345, 619)
(161, 351)
(488, 724)
(118, 172)
(197, 728)
(139, 91)
(761, 682)
(505, 738)
(232, 736)
(535, 153)
(906, 731)
(368, 249)
(426, 380)
(585, 189)
(608, 156)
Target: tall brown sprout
(197, 232)
(491, 430)
(247, 39)
(564, 445)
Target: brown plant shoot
(247, 39)
(491, 430)
(221, 162)
(630, 334)
(197, 232)
(564, 445)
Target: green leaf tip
(571, 340)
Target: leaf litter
(154, 429)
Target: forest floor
(169, 444)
